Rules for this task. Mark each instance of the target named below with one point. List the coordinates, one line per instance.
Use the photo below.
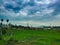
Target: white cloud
(23, 13)
(42, 1)
(36, 23)
(38, 14)
(42, 11)
(10, 2)
(48, 11)
(45, 2)
(58, 17)
(8, 13)
(26, 1)
(30, 23)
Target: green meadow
(31, 37)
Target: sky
(32, 12)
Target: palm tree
(7, 21)
(1, 28)
(1, 21)
(1, 25)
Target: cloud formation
(36, 10)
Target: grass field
(31, 37)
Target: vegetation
(21, 35)
(31, 37)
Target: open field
(31, 37)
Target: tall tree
(1, 25)
(1, 29)
(1, 21)
(7, 21)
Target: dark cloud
(37, 11)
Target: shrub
(3, 32)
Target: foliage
(32, 37)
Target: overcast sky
(34, 12)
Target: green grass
(33, 37)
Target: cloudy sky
(33, 12)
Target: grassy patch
(32, 37)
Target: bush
(12, 42)
(3, 32)
(0, 37)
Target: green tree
(1, 21)
(7, 21)
(1, 29)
